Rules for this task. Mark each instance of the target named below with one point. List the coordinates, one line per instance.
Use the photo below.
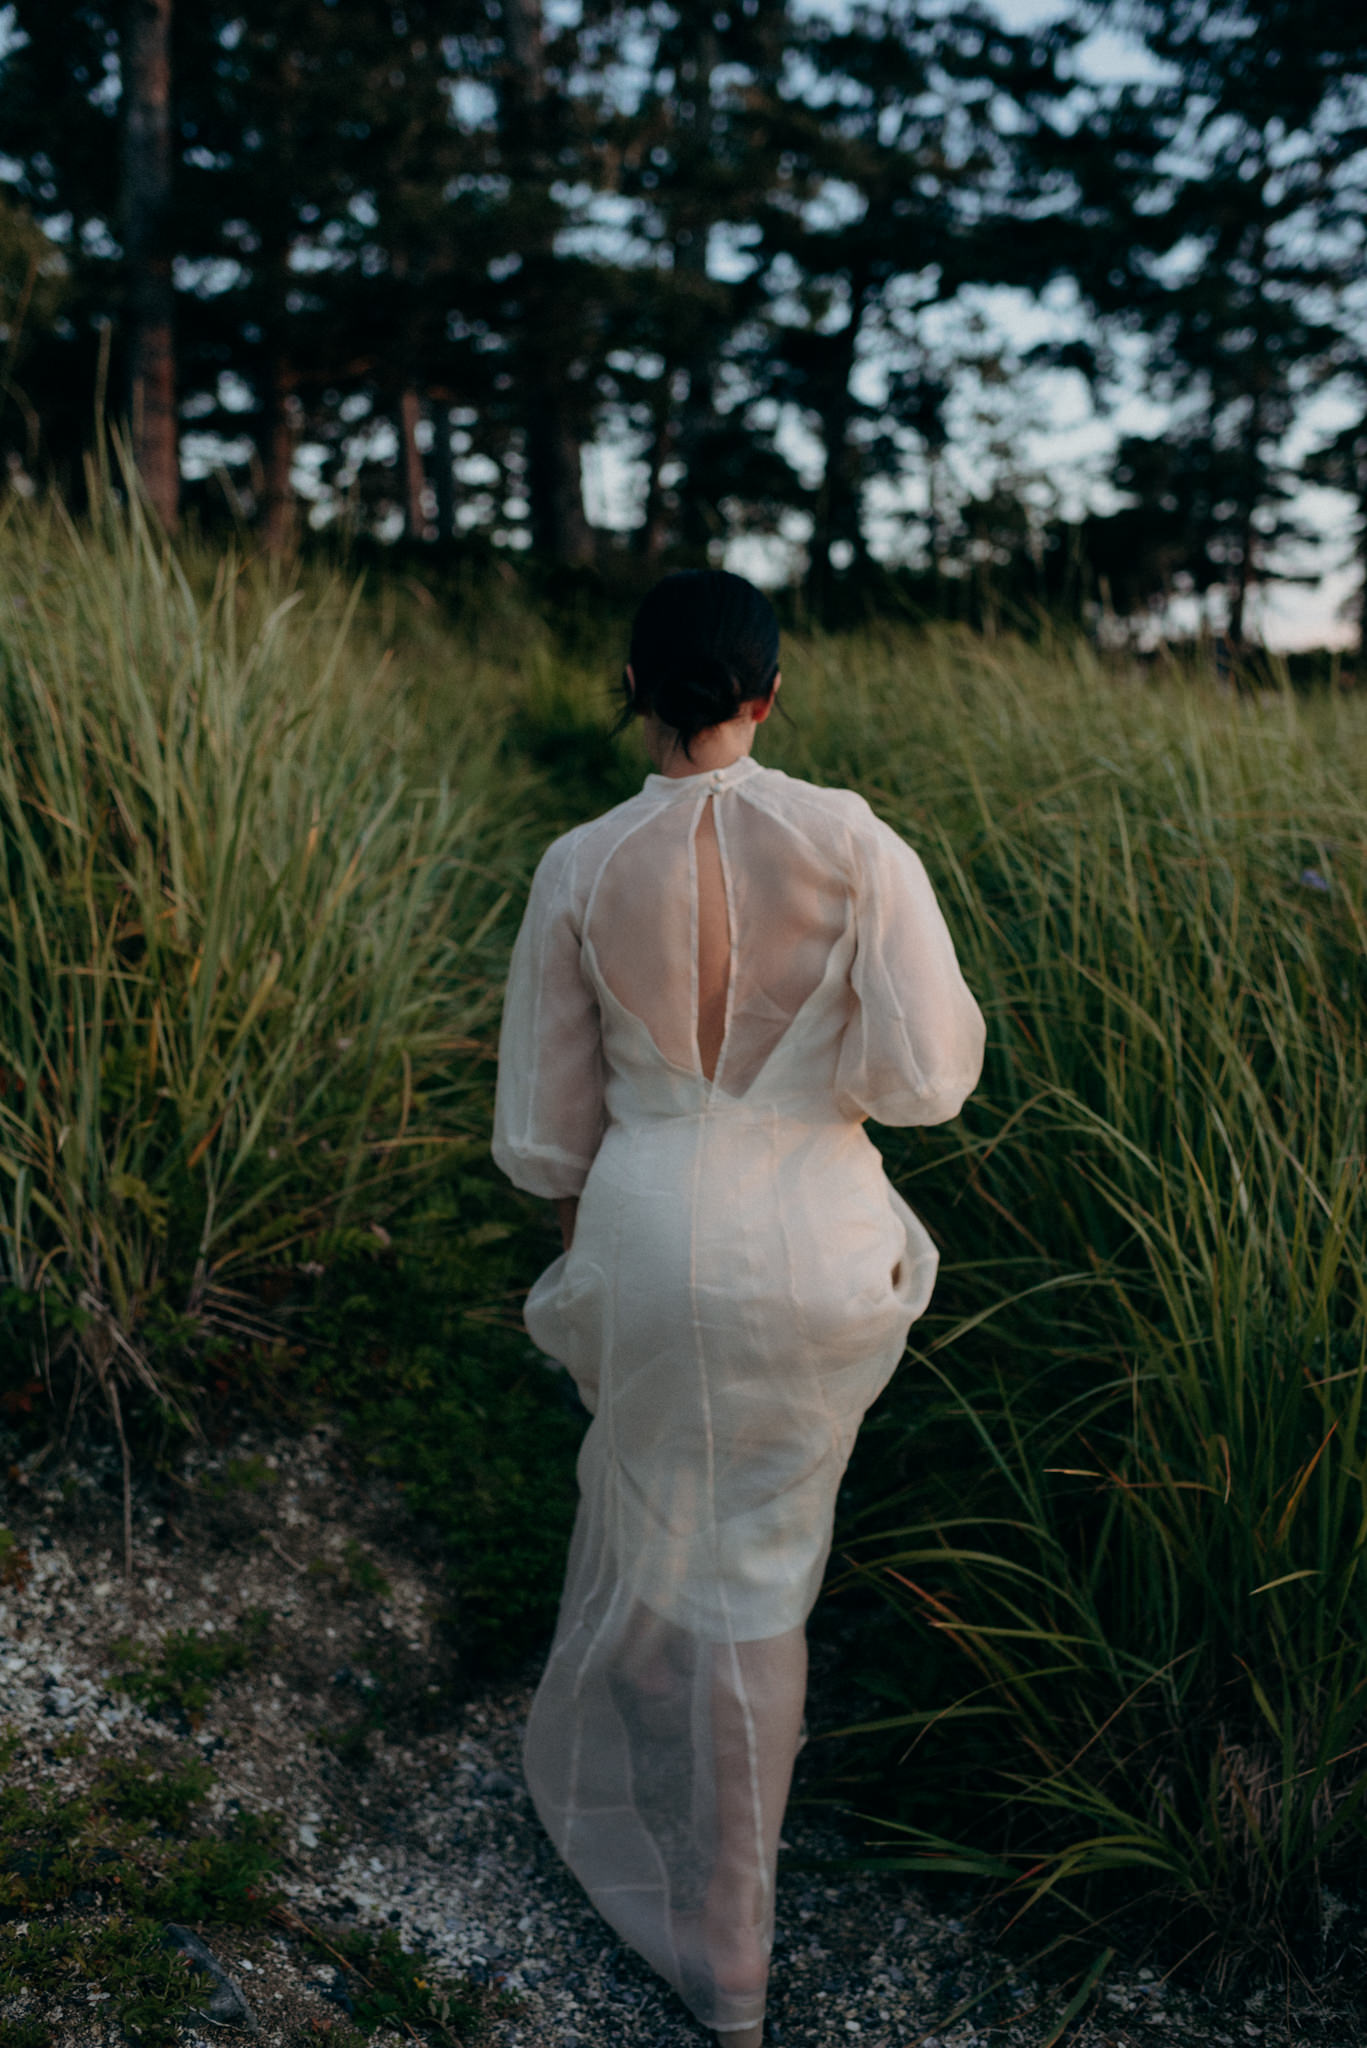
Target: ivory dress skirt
(739, 1288)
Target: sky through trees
(984, 309)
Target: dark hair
(703, 643)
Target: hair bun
(701, 693)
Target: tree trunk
(1247, 533)
(146, 206)
(1255, 482)
(652, 535)
(836, 512)
(935, 525)
(698, 523)
(525, 45)
(414, 480)
(443, 472)
(281, 521)
(560, 531)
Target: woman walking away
(714, 985)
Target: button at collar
(708, 781)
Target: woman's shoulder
(820, 808)
(820, 796)
(840, 820)
(578, 853)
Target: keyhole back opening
(714, 941)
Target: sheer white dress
(739, 1288)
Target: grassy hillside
(265, 849)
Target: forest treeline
(404, 263)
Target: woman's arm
(913, 1051)
(548, 1107)
(566, 1209)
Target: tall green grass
(1122, 1549)
(252, 867)
(265, 848)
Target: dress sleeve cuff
(541, 1169)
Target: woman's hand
(566, 1210)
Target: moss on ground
(388, 1985)
(178, 1677)
(89, 1881)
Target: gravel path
(429, 1830)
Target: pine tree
(1203, 203)
(693, 227)
(311, 146)
(320, 143)
(910, 126)
(697, 158)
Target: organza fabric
(739, 1288)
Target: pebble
(226, 2005)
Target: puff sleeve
(548, 1108)
(913, 1050)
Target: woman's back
(712, 919)
(731, 939)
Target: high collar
(702, 780)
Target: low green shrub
(180, 1675)
(389, 1986)
(88, 1882)
(356, 1573)
(418, 1347)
